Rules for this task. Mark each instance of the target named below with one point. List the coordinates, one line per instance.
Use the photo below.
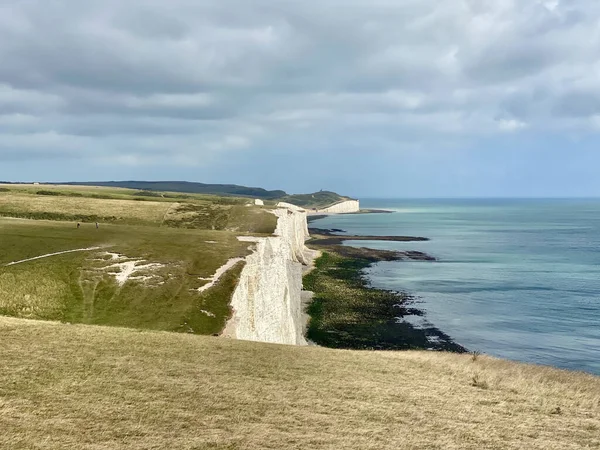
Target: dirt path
(53, 254)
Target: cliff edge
(267, 303)
(343, 207)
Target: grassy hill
(131, 207)
(144, 266)
(175, 189)
(189, 187)
(319, 199)
(85, 387)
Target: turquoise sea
(517, 279)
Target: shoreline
(312, 216)
(375, 319)
(326, 236)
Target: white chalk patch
(123, 268)
(54, 254)
(211, 242)
(128, 268)
(208, 313)
(219, 273)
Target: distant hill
(185, 186)
(315, 200)
(319, 199)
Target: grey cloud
(578, 104)
(200, 79)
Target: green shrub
(147, 194)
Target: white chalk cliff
(347, 206)
(267, 303)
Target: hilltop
(145, 266)
(319, 199)
(315, 200)
(188, 187)
(86, 387)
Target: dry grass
(84, 387)
(121, 210)
(32, 188)
(126, 206)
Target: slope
(186, 186)
(319, 199)
(91, 387)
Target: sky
(378, 98)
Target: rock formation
(347, 206)
(267, 303)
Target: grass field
(141, 268)
(81, 387)
(320, 199)
(83, 209)
(83, 286)
(122, 206)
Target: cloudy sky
(369, 98)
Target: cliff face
(267, 302)
(348, 206)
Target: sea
(514, 278)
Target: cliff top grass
(184, 192)
(125, 275)
(321, 199)
(141, 268)
(192, 187)
(132, 207)
(86, 387)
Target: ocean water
(517, 279)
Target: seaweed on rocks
(346, 312)
(325, 236)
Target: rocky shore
(347, 312)
(325, 236)
(272, 295)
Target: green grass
(185, 237)
(211, 216)
(75, 208)
(70, 191)
(123, 206)
(77, 287)
(319, 199)
(191, 187)
(115, 193)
